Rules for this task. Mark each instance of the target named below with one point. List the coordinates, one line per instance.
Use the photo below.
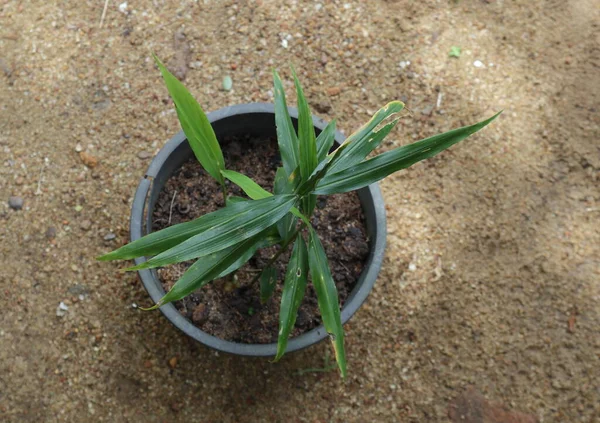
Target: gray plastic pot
(257, 120)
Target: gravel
(504, 295)
(16, 203)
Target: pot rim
(154, 287)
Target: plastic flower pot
(257, 120)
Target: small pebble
(412, 267)
(322, 107)
(427, 110)
(88, 160)
(15, 203)
(227, 83)
(78, 148)
(173, 362)
(200, 314)
(86, 225)
(51, 232)
(478, 63)
(109, 236)
(176, 406)
(61, 310)
(144, 155)
(78, 289)
(333, 91)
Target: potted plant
(224, 240)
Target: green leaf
(348, 150)
(325, 141)
(251, 188)
(195, 124)
(282, 185)
(237, 223)
(232, 199)
(286, 134)
(293, 292)
(307, 145)
(359, 150)
(327, 297)
(268, 279)
(256, 192)
(454, 51)
(210, 267)
(379, 167)
(354, 146)
(157, 242)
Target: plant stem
(280, 252)
(224, 193)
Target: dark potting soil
(230, 308)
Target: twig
(38, 191)
(103, 13)
(171, 208)
(439, 100)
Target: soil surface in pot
(232, 310)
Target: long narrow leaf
(360, 149)
(379, 167)
(307, 143)
(251, 188)
(325, 141)
(268, 279)
(293, 292)
(355, 142)
(241, 221)
(255, 191)
(327, 297)
(283, 185)
(349, 147)
(195, 124)
(286, 134)
(232, 199)
(157, 242)
(211, 267)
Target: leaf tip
(132, 268)
(105, 257)
(158, 62)
(154, 307)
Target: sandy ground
(492, 273)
